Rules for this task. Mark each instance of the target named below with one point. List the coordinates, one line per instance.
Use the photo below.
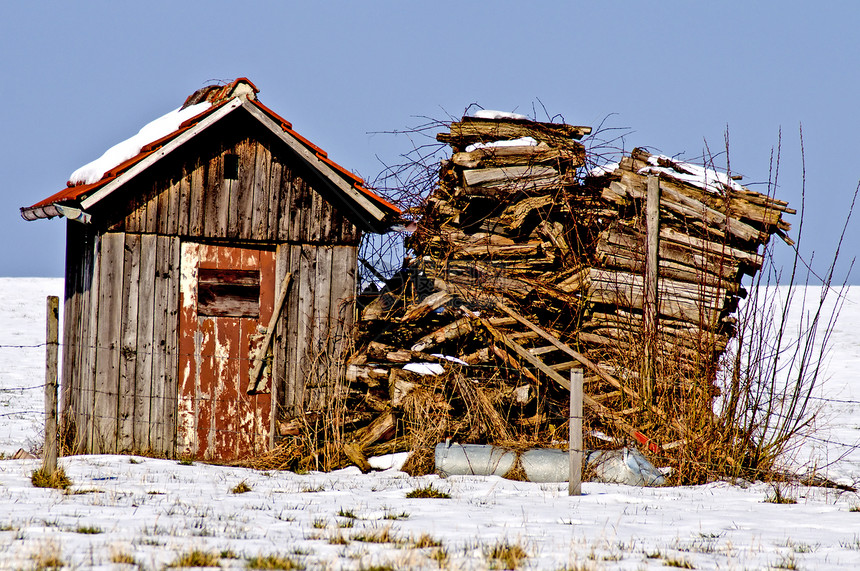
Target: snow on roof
(707, 179)
(492, 114)
(94, 171)
(521, 142)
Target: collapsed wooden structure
(523, 268)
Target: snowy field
(127, 513)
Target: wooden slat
(149, 215)
(279, 349)
(286, 198)
(162, 198)
(161, 324)
(473, 129)
(321, 326)
(214, 208)
(106, 402)
(89, 338)
(145, 336)
(79, 263)
(274, 200)
(537, 351)
(259, 227)
(128, 361)
(294, 386)
(245, 191)
(184, 205)
(132, 219)
(171, 368)
(304, 327)
(173, 201)
(299, 204)
(197, 200)
(343, 308)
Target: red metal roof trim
(76, 192)
(356, 181)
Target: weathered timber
(517, 155)
(259, 359)
(474, 130)
(426, 305)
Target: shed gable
(238, 182)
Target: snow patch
(493, 114)
(521, 142)
(604, 169)
(121, 152)
(450, 358)
(707, 179)
(425, 368)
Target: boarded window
(228, 293)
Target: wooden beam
(260, 357)
(649, 303)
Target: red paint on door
(217, 419)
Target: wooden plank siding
(274, 200)
(121, 388)
(119, 370)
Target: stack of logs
(526, 267)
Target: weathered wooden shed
(180, 244)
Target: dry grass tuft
(122, 558)
(58, 480)
(421, 462)
(240, 488)
(505, 555)
(273, 562)
(196, 558)
(425, 540)
(428, 491)
(779, 497)
(48, 558)
(383, 535)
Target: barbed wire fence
(30, 410)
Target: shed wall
(316, 327)
(120, 340)
(123, 278)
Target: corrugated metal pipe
(623, 466)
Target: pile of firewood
(525, 267)
(710, 232)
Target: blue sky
(79, 77)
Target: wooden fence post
(49, 453)
(574, 438)
(652, 272)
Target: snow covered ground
(126, 512)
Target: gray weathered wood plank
(145, 321)
(171, 366)
(157, 416)
(105, 407)
(260, 203)
(274, 200)
(128, 352)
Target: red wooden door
(226, 301)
